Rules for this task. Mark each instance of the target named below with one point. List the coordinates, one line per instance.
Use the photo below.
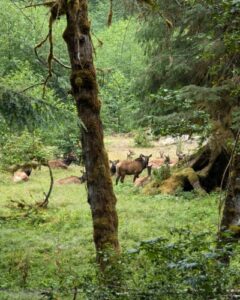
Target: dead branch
(39, 45)
(60, 63)
(45, 202)
(75, 293)
(109, 23)
(31, 87)
(100, 43)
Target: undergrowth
(49, 254)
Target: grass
(54, 248)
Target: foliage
(20, 109)
(142, 139)
(68, 141)
(57, 263)
(118, 103)
(162, 173)
(21, 149)
(188, 43)
(187, 267)
(170, 112)
(118, 61)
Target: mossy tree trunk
(205, 169)
(210, 163)
(231, 212)
(85, 91)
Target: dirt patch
(118, 145)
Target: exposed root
(45, 202)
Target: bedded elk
(158, 162)
(72, 180)
(22, 175)
(62, 163)
(131, 167)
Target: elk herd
(118, 168)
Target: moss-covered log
(209, 164)
(185, 179)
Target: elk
(180, 155)
(112, 166)
(73, 179)
(161, 153)
(142, 181)
(158, 162)
(62, 163)
(57, 164)
(170, 162)
(130, 154)
(22, 175)
(131, 167)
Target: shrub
(141, 139)
(20, 149)
(162, 173)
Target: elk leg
(135, 177)
(122, 178)
(117, 179)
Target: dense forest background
(164, 68)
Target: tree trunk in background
(231, 211)
(85, 91)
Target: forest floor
(52, 250)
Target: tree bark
(231, 212)
(85, 91)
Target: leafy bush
(162, 173)
(141, 139)
(67, 141)
(186, 268)
(20, 149)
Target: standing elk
(131, 167)
(112, 166)
(130, 154)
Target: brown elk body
(62, 163)
(72, 179)
(131, 167)
(57, 164)
(156, 163)
(69, 180)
